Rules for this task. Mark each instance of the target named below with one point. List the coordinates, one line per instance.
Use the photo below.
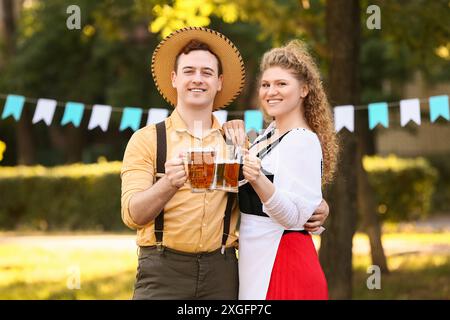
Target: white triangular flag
(100, 117)
(156, 115)
(221, 116)
(344, 116)
(45, 110)
(409, 110)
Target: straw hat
(163, 62)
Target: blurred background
(61, 235)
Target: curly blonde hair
(295, 58)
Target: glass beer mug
(200, 164)
(226, 177)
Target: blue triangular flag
(13, 107)
(439, 107)
(253, 120)
(131, 118)
(378, 113)
(73, 113)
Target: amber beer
(200, 164)
(227, 175)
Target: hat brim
(163, 62)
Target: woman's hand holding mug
(251, 168)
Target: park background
(61, 235)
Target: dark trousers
(175, 275)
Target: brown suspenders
(161, 150)
(161, 155)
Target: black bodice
(249, 201)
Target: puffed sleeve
(297, 180)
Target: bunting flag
(253, 120)
(73, 113)
(100, 117)
(131, 118)
(13, 107)
(221, 116)
(344, 117)
(45, 110)
(439, 108)
(378, 114)
(156, 115)
(409, 111)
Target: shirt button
(204, 224)
(200, 245)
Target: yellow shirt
(193, 222)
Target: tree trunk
(75, 143)
(366, 202)
(371, 223)
(342, 26)
(26, 152)
(69, 140)
(24, 135)
(249, 96)
(8, 25)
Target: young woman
(286, 167)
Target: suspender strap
(264, 138)
(161, 149)
(261, 154)
(161, 154)
(231, 197)
(227, 219)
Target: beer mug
(226, 177)
(200, 167)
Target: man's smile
(197, 90)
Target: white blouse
(297, 167)
(296, 163)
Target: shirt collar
(180, 126)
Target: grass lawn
(29, 271)
(38, 273)
(412, 276)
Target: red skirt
(296, 273)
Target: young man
(191, 252)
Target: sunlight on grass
(30, 271)
(36, 273)
(412, 276)
(423, 238)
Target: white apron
(260, 235)
(259, 238)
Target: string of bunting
(410, 110)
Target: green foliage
(403, 187)
(107, 61)
(74, 197)
(441, 198)
(2, 149)
(193, 13)
(78, 197)
(414, 36)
